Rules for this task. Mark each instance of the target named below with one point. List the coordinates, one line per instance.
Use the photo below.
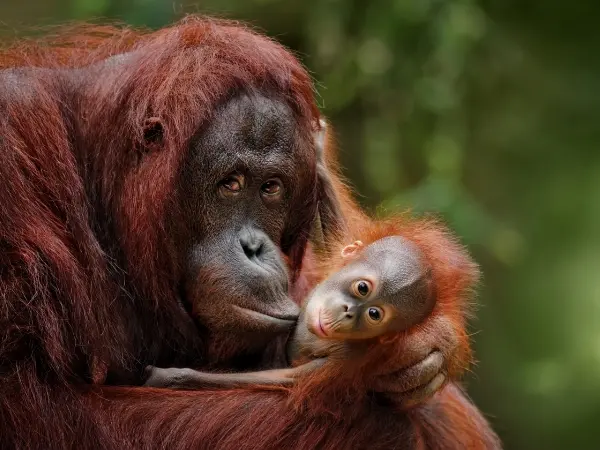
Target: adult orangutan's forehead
(258, 121)
(253, 129)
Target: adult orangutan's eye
(271, 190)
(271, 187)
(231, 185)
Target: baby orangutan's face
(386, 286)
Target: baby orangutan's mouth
(317, 326)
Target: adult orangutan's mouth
(283, 321)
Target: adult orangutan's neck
(246, 351)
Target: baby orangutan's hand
(174, 378)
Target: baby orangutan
(381, 288)
(373, 290)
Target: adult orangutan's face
(248, 179)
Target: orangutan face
(248, 177)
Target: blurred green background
(486, 112)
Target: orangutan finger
(423, 393)
(412, 377)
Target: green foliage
(483, 111)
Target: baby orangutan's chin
(315, 324)
(318, 321)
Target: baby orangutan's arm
(175, 378)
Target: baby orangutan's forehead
(398, 261)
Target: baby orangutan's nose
(342, 311)
(348, 311)
(339, 310)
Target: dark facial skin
(386, 287)
(236, 192)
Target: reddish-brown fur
(86, 272)
(447, 421)
(342, 388)
(454, 273)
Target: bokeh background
(486, 112)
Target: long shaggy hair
(94, 124)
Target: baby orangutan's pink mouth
(318, 327)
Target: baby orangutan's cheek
(320, 320)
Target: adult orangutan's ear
(153, 134)
(350, 250)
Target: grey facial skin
(336, 314)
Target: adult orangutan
(143, 174)
(380, 284)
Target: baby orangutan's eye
(375, 314)
(361, 288)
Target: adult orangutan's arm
(237, 419)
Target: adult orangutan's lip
(284, 320)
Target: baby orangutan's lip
(317, 326)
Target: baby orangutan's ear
(350, 250)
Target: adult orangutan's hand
(435, 354)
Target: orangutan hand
(433, 354)
(415, 384)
